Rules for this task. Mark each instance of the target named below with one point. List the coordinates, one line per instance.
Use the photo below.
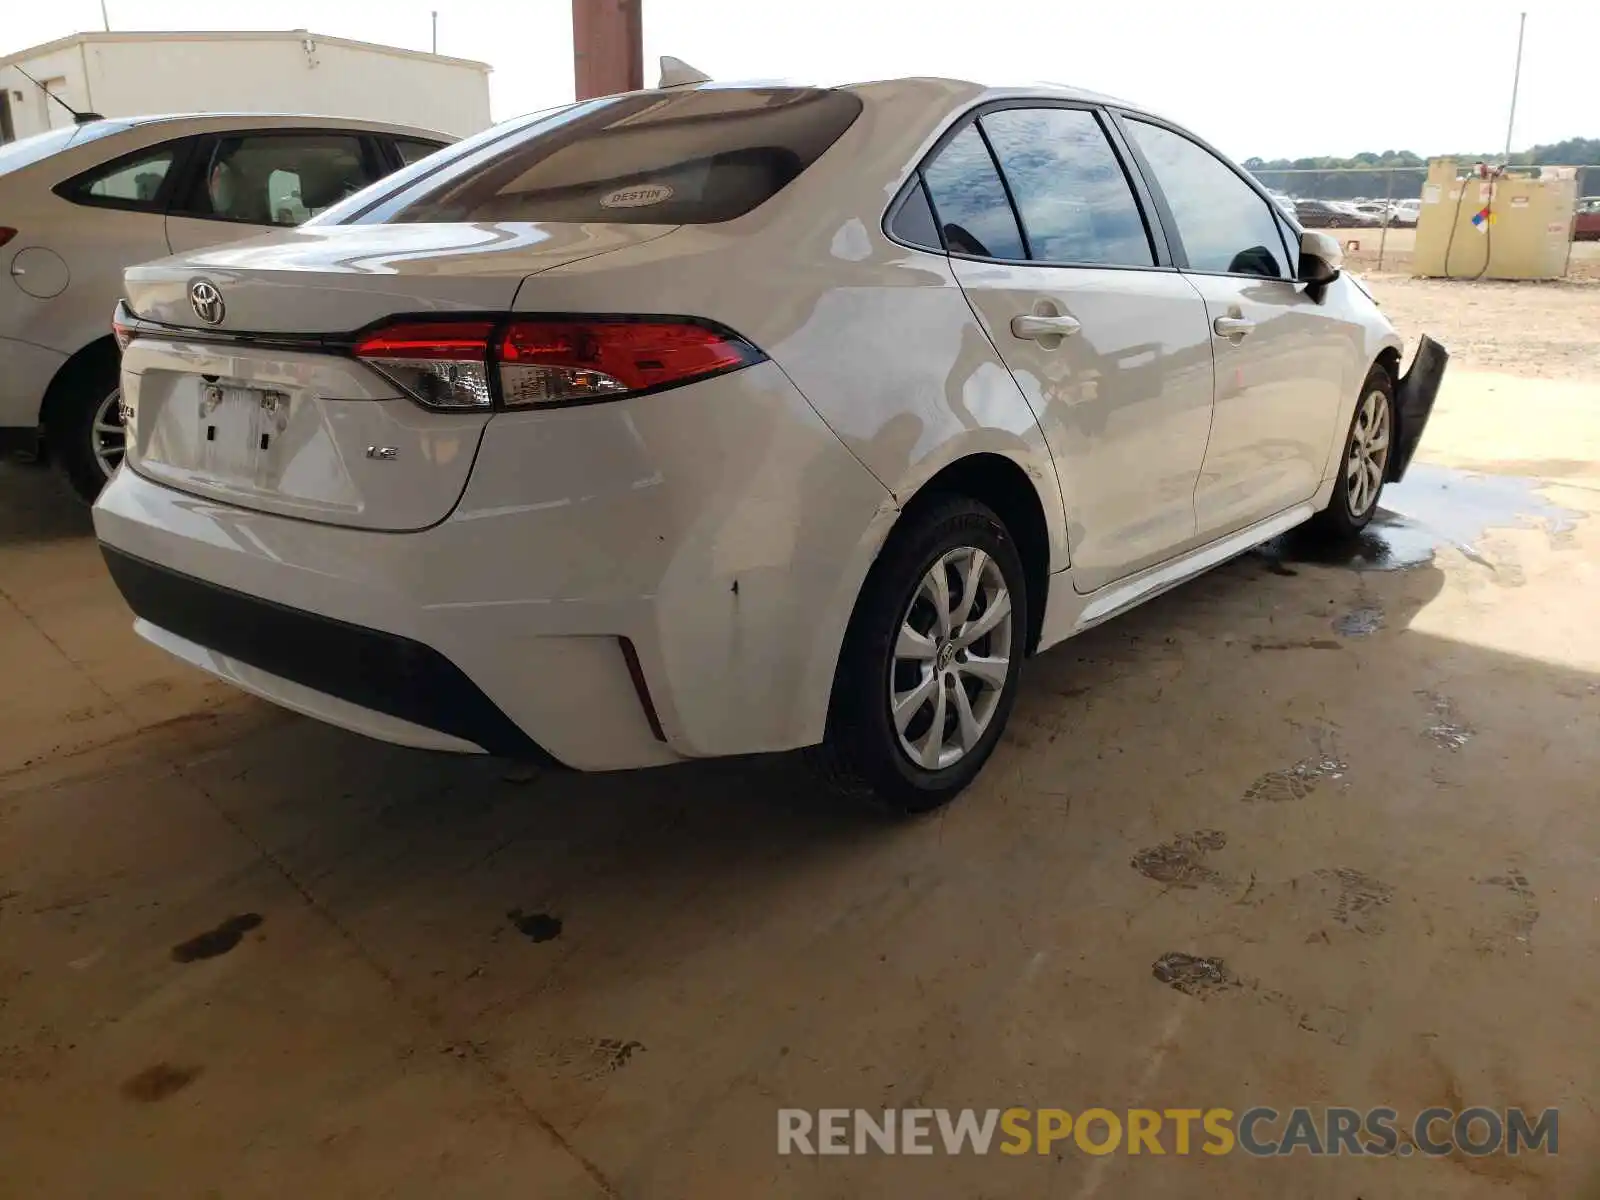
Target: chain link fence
(1375, 209)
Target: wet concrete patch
(1194, 975)
(1446, 729)
(1434, 506)
(218, 941)
(1361, 899)
(1524, 911)
(1181, 862)
(536, 927)
(1300, 780)
(156, 1083)
(1360, 621)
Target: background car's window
(277, 179)
(685, 158)
(1074, 199)
(411, 149)
(136, 179)
(1224, 225)
(969, 200)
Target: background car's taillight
(443, 364)
(549, 361)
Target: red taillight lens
(6, 234)
(444, 364)
(122, 333)
(555, 362)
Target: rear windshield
(684, 158)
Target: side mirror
(1321, 259)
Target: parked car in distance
(1586, 224)
(1406, 212)
(726, 419)
(1321, 214)
(80, 204)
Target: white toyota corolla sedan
(720, 419)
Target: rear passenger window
(133, 181)
(684, 158)
(969, 201)
(1074, 199)
(1225, 226)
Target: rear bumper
(719, 530)
(366, 668)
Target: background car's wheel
(1365, 460)
(83, 421)
(928, 672)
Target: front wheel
(928, 672)
(1365, 461)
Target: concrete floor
(242, 954)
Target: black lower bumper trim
(1413, 401)
(381, 671)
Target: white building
(126, 74)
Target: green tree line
(1353, 181)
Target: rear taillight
(460, 365)
(6, 234)
(443, 364)
(123, 333)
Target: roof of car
(275, 117)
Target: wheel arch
(61, 383)
(1002, 485)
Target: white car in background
(80, 204)
(721, 419)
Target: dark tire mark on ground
(1296, 644)
(588, 1059)
(218, 941)
(536, 927)
(158, 1082)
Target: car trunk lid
(245, 390)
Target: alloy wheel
(952, 657)
(1369, 453)
(108, 439)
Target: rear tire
(83, 421)
(899, 736)
(1363, 461)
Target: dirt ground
(242, 954)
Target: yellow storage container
(1515, 226)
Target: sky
(1285, 79)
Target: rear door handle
(1032, 327)
(1233, 327)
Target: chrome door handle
(1032, 327)
(1233, 327)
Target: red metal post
(607, 47)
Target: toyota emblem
(207, 301)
